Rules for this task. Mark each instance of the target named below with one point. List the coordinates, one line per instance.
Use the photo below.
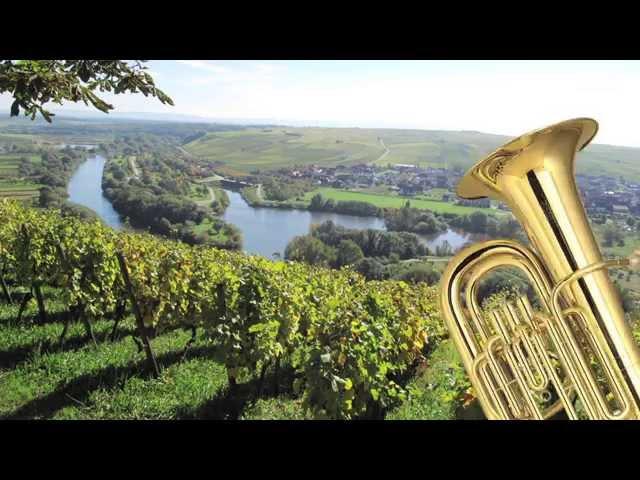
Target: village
(402, 179)
(609, 196)
(602, 195)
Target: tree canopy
(34, 83)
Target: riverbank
(381, 201)
(267, 230)
(85, 188)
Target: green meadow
(395, 201)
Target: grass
(16, 158)
(250, 194)
(394, 201)
(19, 189)
(434, 194)
(203, 227)
(39, 379)
(11, 186)
(631, 242)
(216, 232)
(265, 149)
(197, 195)
(610, 161)
(433, 387)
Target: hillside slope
(272, 148)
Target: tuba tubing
(580, 337)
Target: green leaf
(375, 394)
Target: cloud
(268, 68)
(204, 65)
(240, 75)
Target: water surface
(267, 231)
(85, 188)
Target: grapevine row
(348, 340)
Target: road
(213, 178)
(386, 152)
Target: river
(265, 231)
(85, 188)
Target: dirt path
(207, 201)
(134, 167)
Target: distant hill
(276, 147)
(245, 145)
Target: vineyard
(343, 347)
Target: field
(39, 379)
(11, 185)
(273, 148)
(18, 189)
(9, 163)
(267, 149)
(610, 161)
(388, 201)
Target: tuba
(573, 355)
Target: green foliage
(33, 83)
(42, 247)
(439, 390)
(408, 219)
(612, 235)
(370, 268)
(158, 201)
(282, 188)
(373, 243)
(420, 272)
(348, 340)
(512, 280)
(348, 253)
(369, 334)
(348, 207)
(310, 250)
(495, 227)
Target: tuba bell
(573, 355)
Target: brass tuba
(574, 355)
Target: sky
(502, 97)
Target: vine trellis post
(35, 284)
(5, 287)
(151, 358)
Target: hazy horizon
(497, 97)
